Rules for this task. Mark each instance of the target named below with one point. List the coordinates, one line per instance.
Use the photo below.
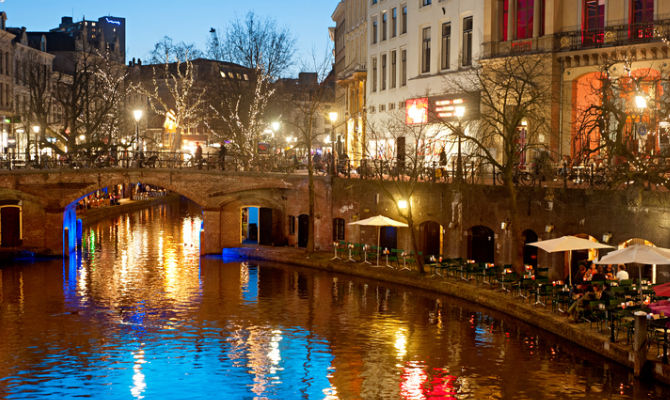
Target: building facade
(107, 33)
(418, 54)
(580, 38)
(351, 41)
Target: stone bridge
(47, 200)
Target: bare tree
(173, 90)
(398, 169)
(623, 130)
(512, 127)
(87, 91)
(254, 43)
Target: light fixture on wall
(505, 224)
(403, 204)
(549, 228)
(607, 236)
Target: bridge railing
(472, 173)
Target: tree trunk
(516, 237)
(414, 242)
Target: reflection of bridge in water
(46, 200)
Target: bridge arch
(50, 197)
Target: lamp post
(36, 131)
(332, 116)
(459, 113)
(137, 114)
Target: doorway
(431, 234)
(481, 246)
(388, 237)
(10, 226)
(529, 252)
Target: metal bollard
(639, 342)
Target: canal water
(139, 315)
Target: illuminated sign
(113, 21)
(416, 111)
(423, 110)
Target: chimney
(139, 61)
(3, 20)
(65, 21)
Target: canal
(138, 314)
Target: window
(403, 68)
(394, 69)
(374, 1)
(374, 74)
(338, 229)
(291, 225)
(426, 2)
(641, 19)
(505, 20)
(394, 22)
(593, 25)
(404, 20)
(384, 25)
(374, 30)
(383, 71)
(524, 19)
(425, 50)
(446, 38)
(467, 41)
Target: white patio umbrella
(379, 221)
(637, 253)
(568, 243)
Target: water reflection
(137, 314)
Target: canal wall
(483, 295)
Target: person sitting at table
(622, 274)
(609, 273)
(599, 276)
(579, 278)
(595, 293)
(590, 271)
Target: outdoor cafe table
(662, 323)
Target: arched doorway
(10, 225)
(388, 237)
(303, 230)
(431, 239)
(529, 252)
(481, 246)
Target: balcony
(610, 36)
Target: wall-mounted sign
(442, 108)
(416, 111)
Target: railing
(580, 39)
(580, 176)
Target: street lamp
(137, 114)
(36, 131)
(332, 116)
(459, 112)
(275, 126)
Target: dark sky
(147, 21)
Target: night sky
(147, 21)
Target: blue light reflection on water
(135, 344)
(142, 316)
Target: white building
(417, 48)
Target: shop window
(505, 20)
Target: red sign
(416, 111)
